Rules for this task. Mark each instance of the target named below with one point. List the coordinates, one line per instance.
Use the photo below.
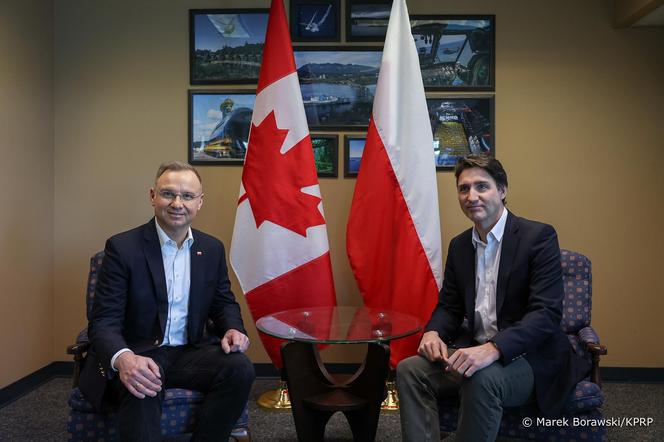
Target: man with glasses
(158, 286)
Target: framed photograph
(457, 52)
(461, 126)
(219, 123)
(353, 149)
(366, 20)
(326, 154)
(314, 20)
(338, 85)
(226, 45)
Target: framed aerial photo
(326, 154)
(461, 126)
(366, 20)
(314, 20)
(226, 45)
(353, 149)
(457, 52)
(219, 123)
(338, 85)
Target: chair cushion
(585, 397)
(174, 397)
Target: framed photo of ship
(219, 123)
(338, 85)
(353, 149)
(460, 126)
(326, 154)
(366, 20)
(226, 45)
(457, 52)
(314, 20)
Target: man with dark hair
(159, 286)
(504, 278)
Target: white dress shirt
(177, 269)
(487, 263)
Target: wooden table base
(315, 395)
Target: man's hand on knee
(467, 361)
(432, 347)
(233, 341)
(140, 375)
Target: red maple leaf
(273, 181)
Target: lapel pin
(199, 253)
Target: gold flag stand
(391, 402)
(276, 399)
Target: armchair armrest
(590, 341)
(79, 351)
(588, 335)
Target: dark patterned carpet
(41, 415)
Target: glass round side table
(315, 395)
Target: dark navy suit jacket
(529, 296)
(130, 307)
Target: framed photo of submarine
(366, 20)
(353, 149)
(326, 154)
(461, 126)
(219, 123)
(338, 85)
(226, 45)
(315, 20)
(457, 52)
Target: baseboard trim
(632, 374)
(28, 383)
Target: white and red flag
(279, 249)
(393, 233)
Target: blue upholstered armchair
(585, 401)
(179, 408)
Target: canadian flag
(393, 233)
(279, 249)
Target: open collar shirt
(487, 263)
(177, 269)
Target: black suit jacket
(130, 307)
(529, 296)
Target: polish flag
(279, 249)
(393, 233)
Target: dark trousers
(421, 383)
(225, 379)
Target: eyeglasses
(171, 196)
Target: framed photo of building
(219, 123)
(353, 149)
(338, 85)
(226, 45)
(315, 20)
(461, 126)
(366, 20)
(457, 52)
(326, 154)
